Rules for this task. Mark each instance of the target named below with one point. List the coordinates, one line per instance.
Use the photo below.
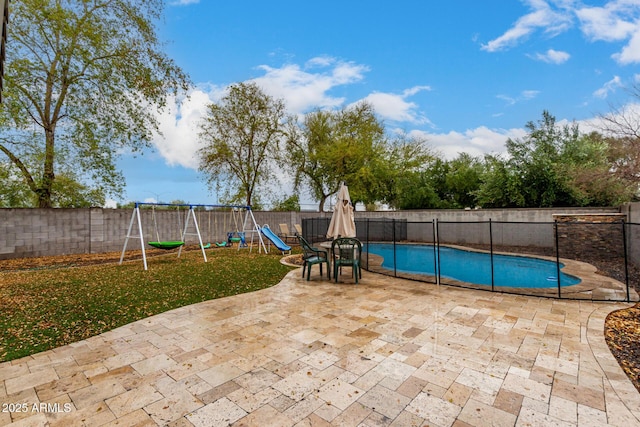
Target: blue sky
(464, 74)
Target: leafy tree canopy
(241, 136)
(82, 82)
(554, 165)
(288, 204)
(334, 146)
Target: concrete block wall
(632, 212)
(41, 232)
(420, 232)
(536, 234)
(460, 215)
(45, 232)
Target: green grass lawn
(44, 309)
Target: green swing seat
(167, 245)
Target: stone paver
(385, 352)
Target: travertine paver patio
(384, 352)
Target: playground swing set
(165, 244)
(230, 237)
(238, 236)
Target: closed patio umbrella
(342, 221)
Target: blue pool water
(473, 267)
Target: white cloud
(525, 95)
(615, 21)
(553, 22)
(414, 90)
(508, 99)
(395, 107)
(630, 54)
(302, 89)
(179, 125)
(483, 140)
(608, 87)
(319, 61)
(305, 88)
(552, 56)
(476, 142)
(606, 23)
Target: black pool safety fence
(569, 260)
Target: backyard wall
(42, 232)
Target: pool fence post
(367, 241)
(491, 251)
(555, 227)
(435, 255)
(626, 263)
(437, 237)
(393, 234)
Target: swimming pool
(473, 267)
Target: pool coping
(593, 286)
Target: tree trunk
(48, 176)
(249, 197)
(321, 205)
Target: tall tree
(554, 166)
(536, 157)
(439, 183)
(335, 146)
(83, 81)
(592, 167)
(287, 204)
(463, 180)
(530, 176)
(242, 135)
(499, 185)
(400, 179)
(305, 146)
(13, 192)
(414, 190)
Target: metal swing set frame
(249, 219)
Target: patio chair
(347, 251)
(285, 233)
(311, 256)
(298, 228)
